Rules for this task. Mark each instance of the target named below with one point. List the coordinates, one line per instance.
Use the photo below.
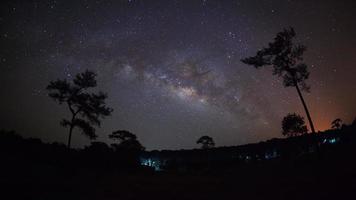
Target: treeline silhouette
(129, 155)
(334, 143)
(17, 151)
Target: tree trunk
(305, 108)
(70, 135)
(71, 129)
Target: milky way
(172, 69)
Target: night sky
(172, 69)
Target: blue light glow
(155, 164)
(330, 140)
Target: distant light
(155, 164)
(330, 141)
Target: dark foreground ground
(335, 179)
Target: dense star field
(172, 69)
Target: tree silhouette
(286, 59)
(336, 124)
(86, 108)
(206, 141)
(127, 140)
(293, 125)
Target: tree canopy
(285, 57)
(206, 142)
(293, 125)
(336, 124)
(127, 140)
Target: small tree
(128, 149)
(336, 124)
(293, 125)
(206, 142)
(86, 108)
(286, 59)
(127, 140)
